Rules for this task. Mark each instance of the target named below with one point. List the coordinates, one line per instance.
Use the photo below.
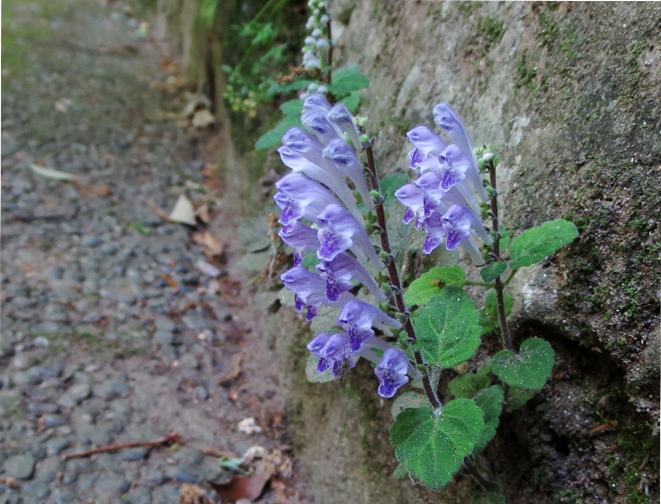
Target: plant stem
(394, 275)
(330, 53)
(509, 277)
(504, 331)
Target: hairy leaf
(537, 243)
(390, 183)
(431, 283)
(490, 400)
(517, 398)
(528, 369)
(469, 384)
(408, 400)
(351, 102)
(347, 79)
(448, 328)
(492, 271)
(489, 318)
(274, 136)
(433, 447)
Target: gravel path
(98, 347)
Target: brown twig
(394, 275)
(173, 437)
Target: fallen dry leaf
(171, 281)
(202, 213)
(51, 173)
(236, 370)
(213, 245)
(244, 487)
(183, 211)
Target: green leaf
(310, 260)
(537, 243)
(448, 328)
(290, 86)
(292, 107)
(408, 400)
(492, 271)
(493, 495)
(489, 318)
(141, 228)
(433, 447)
(351, 102)
(347, 79)
(431, 283)
(390, 183)
(274, 136)
(517, 397)
(530, 368)
(254, 262)
(400, 472)
(469, 384)
(490, 400)
(254, 234)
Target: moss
(526, 73)
(491, 29)
(549, 27)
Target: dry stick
(504, 331)
(394, 275)
(170, 438)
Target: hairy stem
(394, 275)
(329, 74)
(504, 331)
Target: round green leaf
(528, 369)
(433, 447)
(535, 244)
(347, 79)
(448, 328)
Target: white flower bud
(312, 87)
(322, 42)
(322, 89)
(310, 40)
(316, 33)
(324, 19)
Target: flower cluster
(442, 199)
(320, 215)
(317, 43)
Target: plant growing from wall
(350, 231)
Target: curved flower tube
(449, 121)
(342, 118)
(332, 178)
(332, 350)
(339, 232)
(310, 290)
(301, 238)
(347, 161)
(341, 270)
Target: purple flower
(357, 319)
(339, 232)
(299, 197)
(455, 227)
(347, 161)
(425, 140)
(391, 372)
(317, 122)
(340, 116)
(413, 198)
(340, 271)
(332, 350)
(450, 122)
(310, 290)
(331, 178)
(301, 238)
(317, 102)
